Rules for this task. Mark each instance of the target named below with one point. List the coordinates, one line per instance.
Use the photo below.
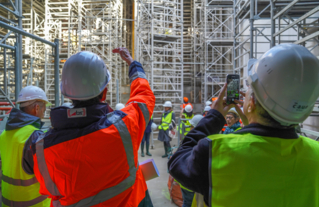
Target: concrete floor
(158, 186)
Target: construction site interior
(186, 47)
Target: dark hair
(92, 101)
(267, 118)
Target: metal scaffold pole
(56, 73)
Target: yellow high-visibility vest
(186, 123)
(198, 200)
(166, 121)
(18, 187)
(250, 170)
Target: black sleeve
(189, 164)
(27, 161)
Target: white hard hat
(67, 104)
(30, 94)
(285, 81)
(194, 121)
(167, 104)
(154, 126)
(188, 108)
(208, 103)
(84, 76)
(233, 110)
(119, 106)
(207, 108)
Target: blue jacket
(149, 127)
(189, 164)
(231, 129)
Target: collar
(235, 126)
(93, 113)
(261, 130)
(18, 119)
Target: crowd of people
(242, 154)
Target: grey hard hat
(84, 76)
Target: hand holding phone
(232, 94)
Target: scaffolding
(187, 50)
(262, 24)
(186, 46)
(160, 49)
(212, 45)
(21, 57)
(90, 25)
(197, 49)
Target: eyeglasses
(229, 117)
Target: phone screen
(232, 88)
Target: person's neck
(255, 119)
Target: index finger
(116, 50)
(222, 92)
(239, 102)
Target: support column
(272, 21)
(56, 73)
(252, 6)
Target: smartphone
(233, 94)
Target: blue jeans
(187, 198)
(146, 137)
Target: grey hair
(28, 108)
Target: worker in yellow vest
(184, 126)
(266, 163)
(19, 185)
(166, 124)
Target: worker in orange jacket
(90, 156)
(185, 99)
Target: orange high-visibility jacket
(185, 104)
(90, 157)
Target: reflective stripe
(127, 142)
(23, 203)
(111, 192)
(43, 168)
(145, 112)
(137, 74)
(19, 182)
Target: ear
(104, 95)
(36, 109)
(252, 104)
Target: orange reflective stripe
(43, 168)
(19, 182)
(127, 183)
